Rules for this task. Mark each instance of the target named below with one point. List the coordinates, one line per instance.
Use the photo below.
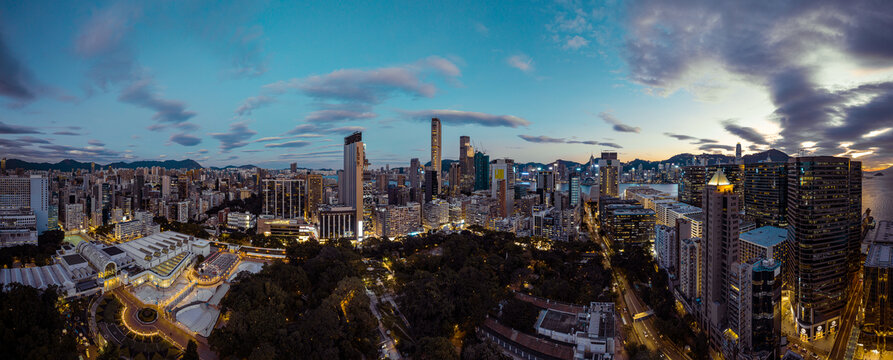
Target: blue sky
(274, 83)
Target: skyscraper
(294, 168)
(481, 171)
(503, 170)
(765, 193)
(28, 194)
(466, 164)
(284, 198)
(574, 189)
(719, 250)
(691, 189)
(352, 184)
(878, 297)
(738, 159)
(436, 151)
(823, 210)
(314, 195)
(609, 175)
(415, 174)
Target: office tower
(284, 198)
(466, 164)
(3, 166)
(719, 250)
(455, 178)
(767, 242)
(415, 174)
(314, 196)
(431, 184)
(24, 194)
(755, 310)
(878, 297)
(336, 222)
(824, 206)
(352, 186)
(765, 193)
(690, 271)
(733, 172)
(481, 171)
(692, 186)
(436, 150)
(504, 170)
(139, 182)
(574, 189)
(381, 182)
(165, 186)
(738, 159)
(609, 175)
(294, 168)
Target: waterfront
(876, 195)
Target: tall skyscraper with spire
(436, 151)
(719, 251)
(351, 190)
(738, 159)
(466, 164)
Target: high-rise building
(481, 171)
(314, 196)
(415, 174)
(503, 170)
(738, 159)
(755, 310)
(466, 164)
(878, 297)
(19, 193)
(284, 198)
(436, 151)
(765, 193)
(824, 207)
(431, 184)
(574, 189)
(691, 189)
(352, 184)
(609, 172)
(455, 178)
(690, 271)
(719, 250)
(294, 168)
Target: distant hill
(233, 167)
(776, 156)
(686, 158)
(70, 165)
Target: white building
(26, 193)
(75, 219)
(241, 221)
(665, 246)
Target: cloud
(711, 147)
(312, 130)
(16, 81)
(576, 42)
(252, 103)
(66, 133)
(95, 142)
(521, 62)
(457, 117)
(541, 139)
(705, 141)
(102, 40)
(335, 115)
(546, 139)
(482, 29)
(185, 139)
(824, 64)
(33, 140)
(289, 144)
(247, 46)
(747, 133)
(143, 94)
(17, 129)
(680, 137)
(618, 126)
(237, 136)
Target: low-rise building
(241, 220)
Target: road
(838, 350)
(644, 330)
(388, 342)
(163, 326)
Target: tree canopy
(32, 325)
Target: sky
(271, 83)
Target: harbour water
(877, 195)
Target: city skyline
(272, 85)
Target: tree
(109, 352)
(519, 315)
(435, 348)
(483, 351)
(191, 352)
(32, 325)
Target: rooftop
(74, 259)
(112, 251)
(558, 321)
(883, 232)
(765, 236)
(880, 256)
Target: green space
(147, 315)
(32, 324)
(40, 255)
(123, 342)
